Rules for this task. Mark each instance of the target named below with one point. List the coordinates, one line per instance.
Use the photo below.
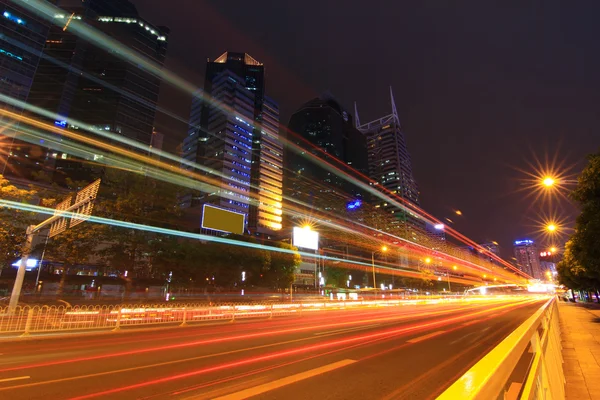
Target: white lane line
(267, 387)
(425, 337)
(478, 333)
(18, 378)
(346, 330)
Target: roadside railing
(525, 365)
(38, 319)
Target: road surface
(400, 352)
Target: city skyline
(467, 129)
(232, 200)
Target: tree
(76, 245)
(424, 282)
(135, 198)
(13, 223)
(580, 267)
(283, 266)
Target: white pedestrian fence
(37, 319)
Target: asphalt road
(401, 352)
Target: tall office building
(390, 164)
(78, 80)
(257, 125)
(229, 147)
(23, 37)
(323, 129)
(493, 247)
(528, 258)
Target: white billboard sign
(305, 238)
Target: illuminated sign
(305, 238)
(439, 227)
(62, 123)
(31, 263)
(520, 242)
(222, 220)
(13, 18)
(354, 205)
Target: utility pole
(66, 215)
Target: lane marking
(425, 337)
(18, 378)
(346, 330)
(267, 387)
(259, 334)
(162, 364)
(141, 367)
(470, 322)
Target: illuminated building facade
(78, 80)
(228, 148)
(23, 38)
(323, 129)
(260, 126)
(390, 165)
(528, 258)
(437, 235)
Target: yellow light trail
(94, 37)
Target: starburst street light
(551, 227)
(548, 181)
(546, 178)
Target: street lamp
(551, 227)
(383, 250)
(548, 181)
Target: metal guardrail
(27, 319)
(38, 319)
(493, 377)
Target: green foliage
(13, 223)
(135, 198)
(580, 266)
(283, 266)
(425, 282)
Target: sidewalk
(580, 330)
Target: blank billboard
(222, 220)
(305, 238)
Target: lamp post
(383, 250)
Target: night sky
(483, 88)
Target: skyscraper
(23, 37)
(389, 162)
(322, 129)
(228, 149)
(254, 121)
(77, 80)
(528, 258)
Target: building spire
(356, 119)
(394, 111)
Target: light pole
(448, 275)
(383, 250)
(68, 213)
